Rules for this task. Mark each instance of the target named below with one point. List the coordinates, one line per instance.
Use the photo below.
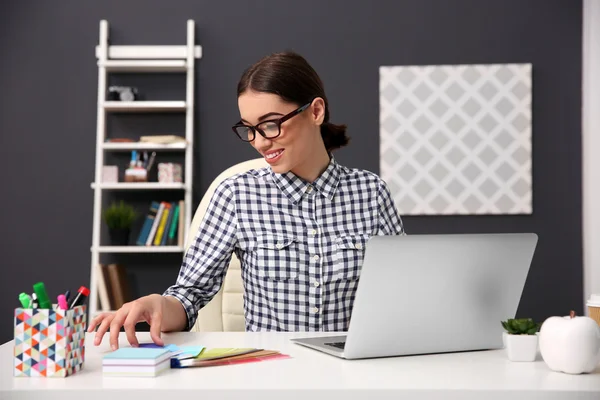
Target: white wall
(591, 147)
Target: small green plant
(119, 216)
(521, 326)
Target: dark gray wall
(48, 81)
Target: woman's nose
(261, 143)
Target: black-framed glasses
(269, 129)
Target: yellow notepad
(216, 353)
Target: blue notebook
(136, 356)
(178, 352)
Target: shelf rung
(149, 52)
(125, 146)
(138, 186)
(144, 106)
(144, 65)
(139, 249)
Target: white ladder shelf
(140, 59)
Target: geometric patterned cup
(593, 305)
(49, 342)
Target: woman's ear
(317, 111)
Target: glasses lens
(244, 133)
(271, 129)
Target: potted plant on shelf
(521, 339)
(119, 218)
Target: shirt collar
(295, 187)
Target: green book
(174, 223)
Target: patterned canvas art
(456, 139)
(49, 343)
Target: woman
(298, 227)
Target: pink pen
(62, 302)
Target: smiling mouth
(271, 156)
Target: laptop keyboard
(339, 345)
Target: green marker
(25, 300)
(42, 296)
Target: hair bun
(334, 136)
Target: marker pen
(80, 297)
(62, 302)
(42, 296)
(25, 300)
(133, 161)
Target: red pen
(80, 298)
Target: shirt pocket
(277, 257)
(348, 255)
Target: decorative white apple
(570, 344)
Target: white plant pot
(521, 347)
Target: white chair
(225, 312)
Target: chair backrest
(225, 312)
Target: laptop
(429, 294)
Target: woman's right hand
(148, 308)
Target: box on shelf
(49, 342)
(110, 174)
(169, 173)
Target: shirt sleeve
(390, 222)
(207, 259)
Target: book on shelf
(162, 139)
(164, 217)
(163, 225)
(103, 294)
(113, 286)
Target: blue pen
(67, 295)
(133, 159)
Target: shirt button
(309, 189)
(279, 245)
(314, 310)
(313, 232)
(358, 246)
(316, 257)
(316, 284)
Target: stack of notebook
(132, 361)
(226, 356)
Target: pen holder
(49, 342)
(136, 175)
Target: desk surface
(471, 375)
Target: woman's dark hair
(289, 76)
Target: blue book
(147, 227)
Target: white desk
(309, 375)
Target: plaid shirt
(301, 246)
